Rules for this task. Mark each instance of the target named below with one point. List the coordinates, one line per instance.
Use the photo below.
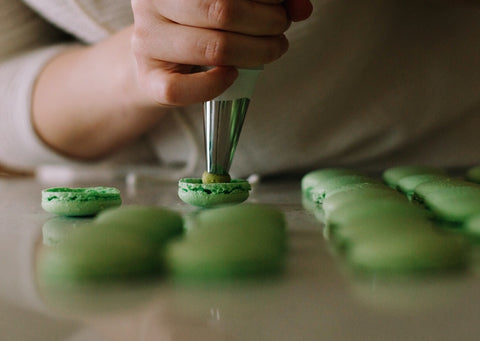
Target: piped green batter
(211, 178)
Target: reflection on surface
(56, 229)
(314, 300)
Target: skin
(89, 101)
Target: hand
(172, 37)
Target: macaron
(472, 226)
(427, 188)
(346, 235)
(95, 255)
(349, 195)
(79, 202)
(372, 210)
(473, 174)
(317, 177)
(192, 191)
(57, 229)
(407, 252)
(321, 191)
(407, 185)
(455, 204)
(230, 242)
(392, 175)
(154, 224)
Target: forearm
(87, 101)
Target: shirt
(365, 84)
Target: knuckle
(220, 12)
(216, 50)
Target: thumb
(187, 88)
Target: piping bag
(223, 121)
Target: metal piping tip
(223, 121)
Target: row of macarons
(134, 241)
(389, 224)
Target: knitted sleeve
(28, 40)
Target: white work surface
(316, 299)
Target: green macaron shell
(154, 224)
(349, 195)
(426, 189)
(230, 242)
(317, 177)
(239, 216)
(473, 174)
(57, 229)
(79, 201)
(346, 235)
(321, 191)
(409, 252)
(393, 175)
(192, 191)
(408, 184)
(454, 205)
(472, 226)
(372, 210)
(91, 255)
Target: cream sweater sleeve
(28, 40)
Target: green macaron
(328, 187)
(154, 224)
(95, 255)
(472, 226)
(431, 187)
(372, 210)
(192, 191)
(319, 176)
(407, 185)
(473, 174)
(409, 252)
(349, 195)
(393, 175)
(230, 242)
(57, 229)
(78, 202)
(454, 204)
(346, 235)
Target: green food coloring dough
(230, 242)
(393, 175)
(348, 199)
(472, 226)
(454, 205)
(421, 251)
(321, 191)
(317, 177)
(407, 184)
(473, 174)
(154, 224)
(192, 191)
(347, 235)
(79, 201)
(209, 178)
(57, 229)
(372, 210)
(95, 255)
(426, 189)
